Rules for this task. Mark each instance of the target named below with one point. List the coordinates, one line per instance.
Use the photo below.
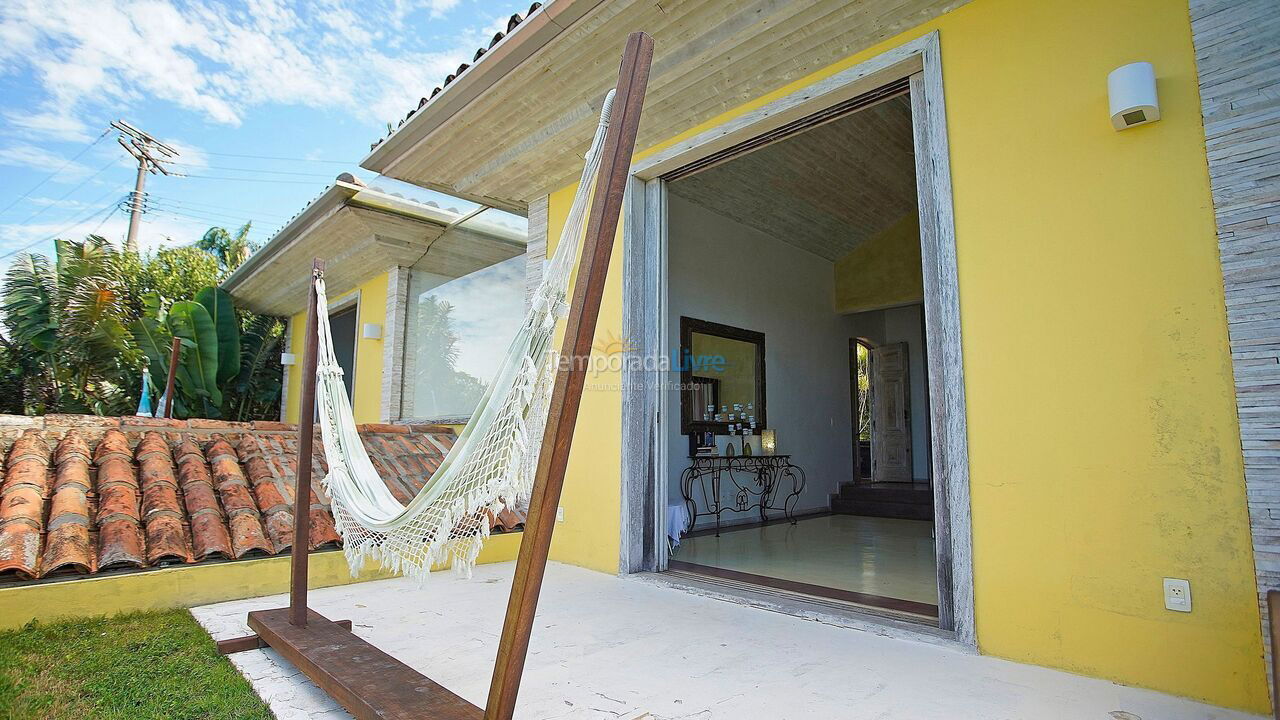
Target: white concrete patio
(606, 647)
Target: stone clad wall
(1237, 44)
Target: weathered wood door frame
(644, 459)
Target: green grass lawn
(141, 665)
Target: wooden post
(174, 353)
(602, 224)
(302, 487)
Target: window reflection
(458, 327)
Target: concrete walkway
(606, 647)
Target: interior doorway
(778, 259)
(653, 258)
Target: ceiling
(824, 190)
(359, 232)
(524, 135)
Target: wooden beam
(366, 681)
(302, 486)
(602, 226)
(230, 646)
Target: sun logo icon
(613, 345)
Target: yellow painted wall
(592, 499)
(190, 585)
(366, 403)
(883, 271)
(1104, 445)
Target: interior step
(908, 501)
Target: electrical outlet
(1177, 595)
(559, 514)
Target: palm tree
(230, 250)
(68, 322)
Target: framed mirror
(721, 377)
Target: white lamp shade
(288, 359)
(371, 331)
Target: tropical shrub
(67, 321)
(80, 328)
(223, 372)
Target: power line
(68, 194)
(195, 204)
(274, 157)
(106, 218)
(258, 180)
(87, 218)
(254, 170)
(162, 204)
(50, 176)
(200, 215)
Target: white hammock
(494, 459)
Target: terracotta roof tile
(209, 535)
(162, 513)
(22, 504)
(120, 540)
(243, 518)
(83, 494)
(67, 544)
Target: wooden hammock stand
(366, 681)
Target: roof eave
(331, 198)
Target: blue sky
(231, 85)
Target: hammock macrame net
(493, 461)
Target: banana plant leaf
(154, 339)
(191, 322)
(218, 303)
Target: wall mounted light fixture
(288, 359)
(371, 331)
(1131, 90)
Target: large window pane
(457, 334)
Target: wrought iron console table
(755, 481)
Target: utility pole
(151, 155)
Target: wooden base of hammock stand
(366, 681)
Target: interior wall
(895, 325)
(366, 405)
(726, 272)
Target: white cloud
(48, 124)
(101, 55)
(41, 159)
(190, 158)
(439, 8)
(154, 233)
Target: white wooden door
(890, 414)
